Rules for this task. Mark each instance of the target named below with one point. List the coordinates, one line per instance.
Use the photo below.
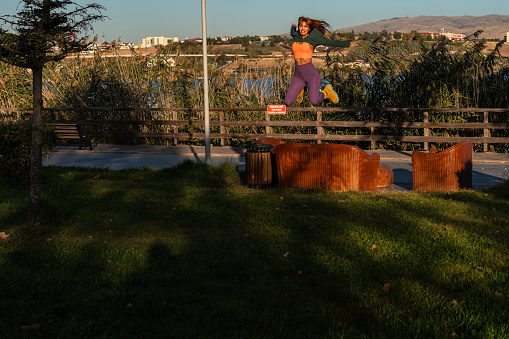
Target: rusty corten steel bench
(448, 170)
(326, 166)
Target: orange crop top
(302, 50)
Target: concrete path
(488, 168)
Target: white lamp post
(205, 81)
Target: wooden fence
(365, 120)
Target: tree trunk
(34, 196)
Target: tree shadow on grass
(179, 253)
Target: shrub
(15, 147)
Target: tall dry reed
(414, 74)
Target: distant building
(453, 36)
(124, 45)
(96, 47)
(155, 41)
(431, 34)
(506, 37)
(197, 40)
(450, 36)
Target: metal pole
(205, 82)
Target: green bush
(15, 147)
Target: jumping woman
(310, 34)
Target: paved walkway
(488, 168)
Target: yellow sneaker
(300, 97)
(330, 94)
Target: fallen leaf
(286, 254)
(97, 176)
(4, 235)
(499, 294)
(373, 247)
(341, 201)
(49, 240)
(299, 272)
(386, 287)
(34, 327)
(454, 302)
(281, 198)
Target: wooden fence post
(175, 128)
(268, 129)
(135, 128)
(222, 129)
(426, 131)
(373, 130)
(319, 129)
(487, 133)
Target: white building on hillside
(506, 37)
(454, 36)
(158, 40)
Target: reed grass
(414, 74)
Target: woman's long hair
(320, 25)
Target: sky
(133, 20)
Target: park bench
(326, 166)
(73, 131)
(447, 170)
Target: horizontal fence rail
(369, 124)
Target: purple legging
(305, 75)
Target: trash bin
(258, 169)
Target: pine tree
(44, 31)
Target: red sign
(276, 109)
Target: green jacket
(316, 38)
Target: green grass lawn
(190, 252)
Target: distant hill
(495, 26)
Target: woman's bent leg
(314, 82)
(298, 83)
